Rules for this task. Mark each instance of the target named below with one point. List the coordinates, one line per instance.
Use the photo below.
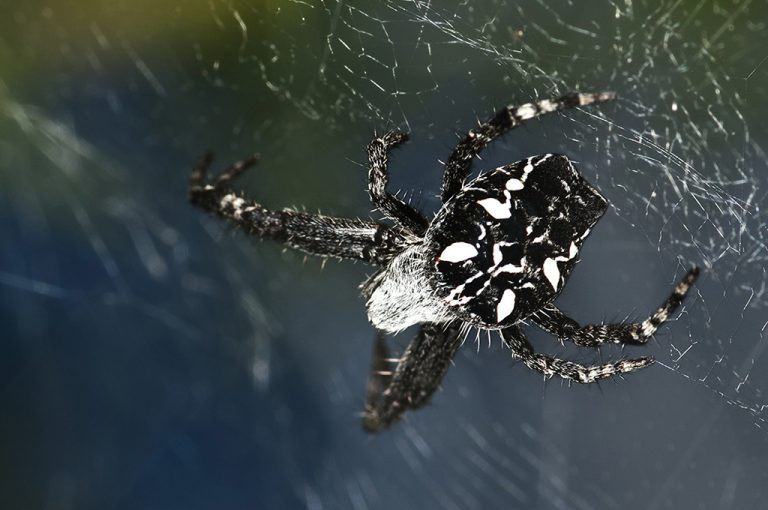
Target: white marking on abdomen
(498, 257)
(458, 252)
(506, 305)
(498, 210)
(453, 295)
(510, 268)
(551, 269)
(552, 272)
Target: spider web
(154, 358)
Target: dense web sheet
(238, 351)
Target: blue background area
(152, 358)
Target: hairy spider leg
(514, 337)
(460, 162)
(417, 376)
(392, 207)
(315, 234)
(552, 320)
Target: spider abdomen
(505, 244)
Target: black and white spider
(497, 253)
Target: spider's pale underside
(497, 253)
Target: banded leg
(552, 320)
(315, 234)
(460, 162)
(515, 339)
(392, 207)
(418, 374)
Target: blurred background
(152, 358)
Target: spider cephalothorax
(498, 252)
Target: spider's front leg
(460, 162)
(392, 207)
(418, 374)
(515, 339)
(315, 234)
(551, 319)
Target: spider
(495, 256)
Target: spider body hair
(404, 294)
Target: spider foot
(373, 421)
(389, 140)
(199, 190)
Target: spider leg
(392, 207)
(416, 377)
(460, 162)
(552, 320)
(315, 234)
(515, 339)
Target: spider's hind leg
(551, 319)
(392, 207)
(521, 347)
(417, 376)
